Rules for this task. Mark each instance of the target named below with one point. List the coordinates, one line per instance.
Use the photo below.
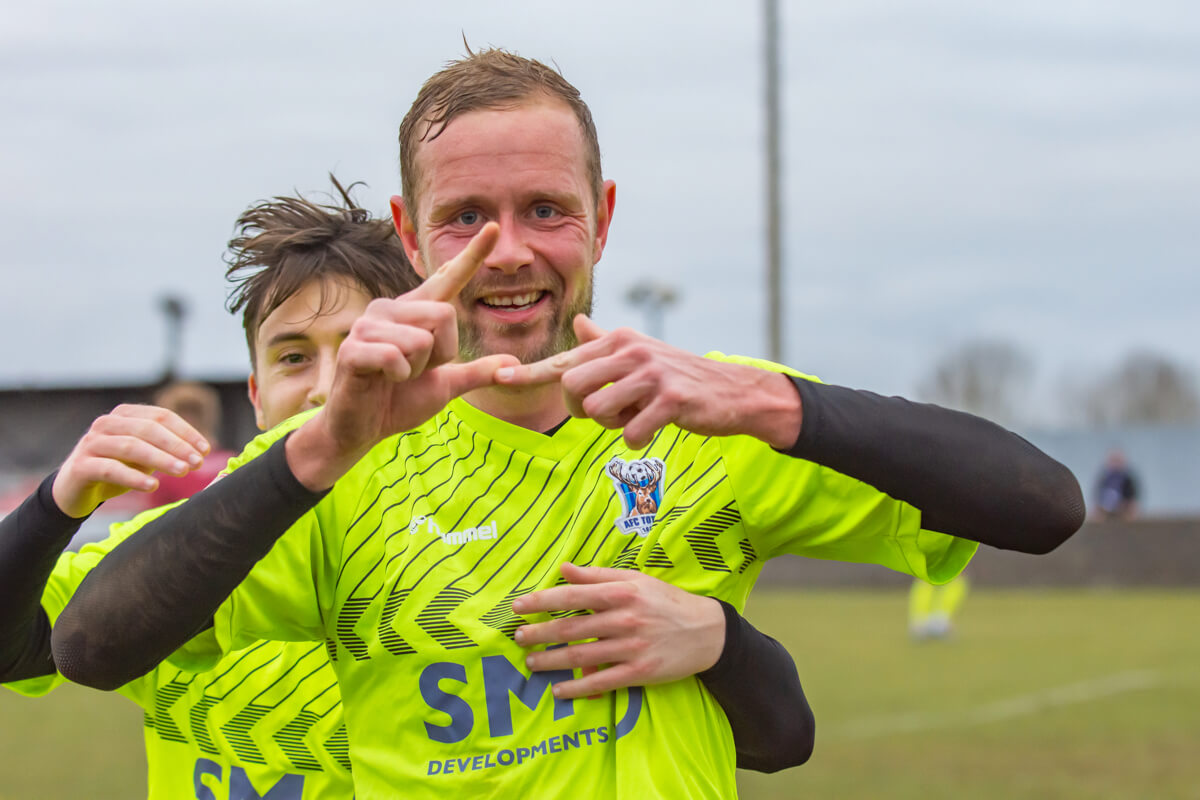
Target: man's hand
(646, 630)
(624, 379)
(394, 371)
(120, 452)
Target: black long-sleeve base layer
(31, 539)
(757, 685)
(969, 478)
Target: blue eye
(468, 217)
(544, 212)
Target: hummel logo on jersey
(484, 531)
(639, 484)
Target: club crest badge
(639, 484)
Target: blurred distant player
(200, 406)
(1116, 489)
(931, 608)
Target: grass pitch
(1057, 694)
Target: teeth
(512, 300)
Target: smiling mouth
(511, 302)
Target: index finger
(453, 276)
(162, 418)
(551, 369)
(572, 597)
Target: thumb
(576, 574)
(463, 378)
(586, 330)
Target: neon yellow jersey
(265, 722)
(409, 566)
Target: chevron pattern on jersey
(501, 617)
(626, 560)
(388, 636)
(351, 612)
(433, 619)
(164, 698)
(750, 555)
(198, 718)
(290, 739)
(703, 538)
(338, 747)
(237, 733)
(658, 558)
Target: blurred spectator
(200, 405)
(1117, 489)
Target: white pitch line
(1021, 705)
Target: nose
(318, 393)
(512, 250)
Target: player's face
(524, 168)
(296, 348)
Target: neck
(538, 408)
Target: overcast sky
(1027, 172)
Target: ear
(406, 229)
(252, 390)
(604, 214)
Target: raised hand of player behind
(120, 452)
(646, 631)
(395, 370)
(625, 379)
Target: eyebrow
(284, 338)
(295, 337)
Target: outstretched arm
(118, 453)
(162, 585)
(969, 477)
(647, 631)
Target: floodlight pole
(174, 310)
(653, 298)
(774, 183)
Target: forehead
(538, 145)
(318, 304)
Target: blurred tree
(985, 377)
(1145, 388)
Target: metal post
(174, 309)
(653, 298)
(774, 176)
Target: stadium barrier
(1143, 553)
